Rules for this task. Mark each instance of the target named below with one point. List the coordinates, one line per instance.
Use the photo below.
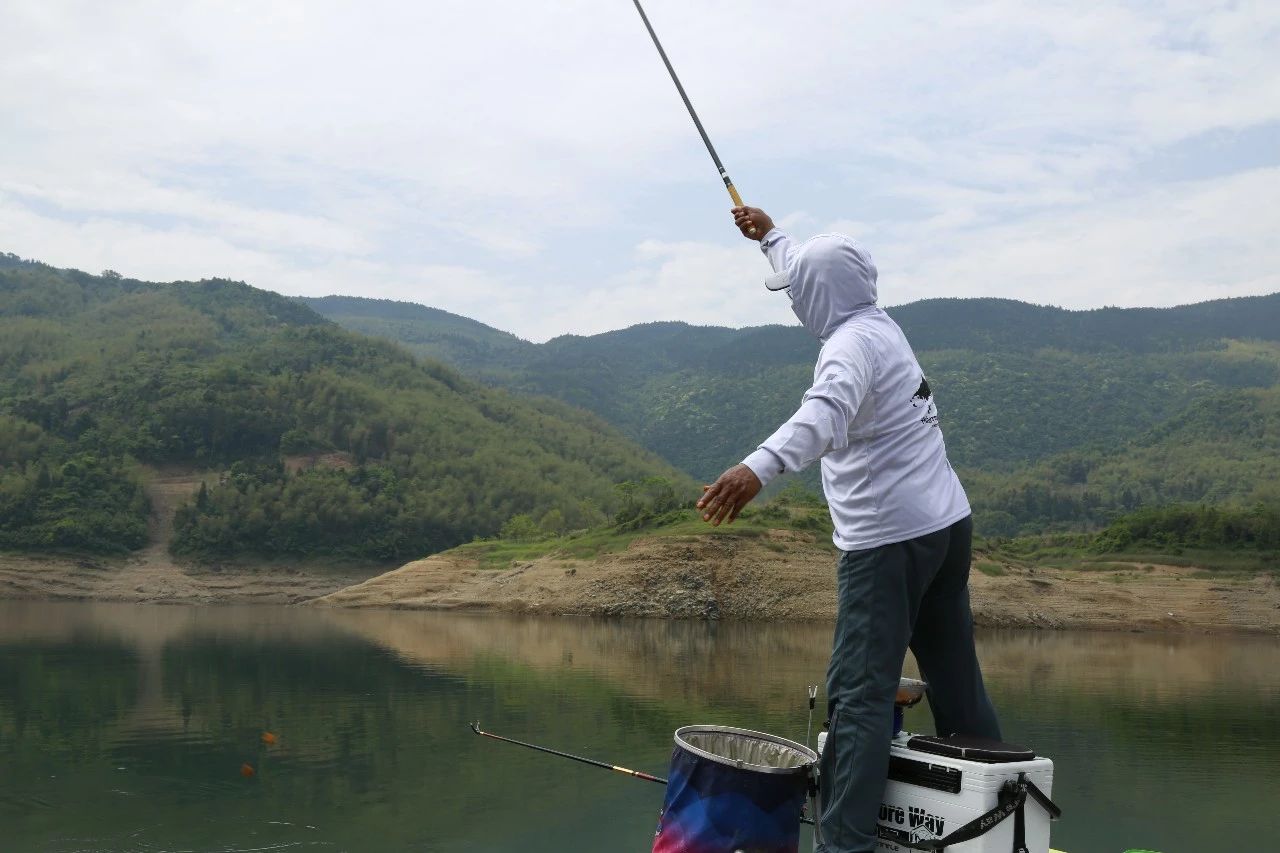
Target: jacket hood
(832, 279)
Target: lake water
(126, 727)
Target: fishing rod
(475, 727)
(813, 700)
(728, 183)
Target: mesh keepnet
(733, 789)
(739, 747)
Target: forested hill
(1008, 325)
(330, 442)
(429, 332)
(1058, 418)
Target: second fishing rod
(648, 777)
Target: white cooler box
(931, 795)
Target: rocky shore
(781, 576)
(785, 576)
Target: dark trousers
(908, 594)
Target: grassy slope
(797, 513)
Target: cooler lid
(972, 749)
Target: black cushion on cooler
(971, 749)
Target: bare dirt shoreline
(153, 576)
(781, 576)
(784, 576)
(151, 581)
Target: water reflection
(123, 727)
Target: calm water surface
(125, 727)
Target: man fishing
(902, 522)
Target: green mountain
(429, 332)
(1058, 419)
(100, 376)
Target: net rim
(810, 756)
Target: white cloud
(696, 283)
(503, 161)
(135, 250)
(1167, 246)
(124, 195)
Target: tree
(520, 528)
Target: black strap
(971, 830)
(1020, 830)
(1043, 799)
(1011, 802)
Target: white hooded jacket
(870, 416)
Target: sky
(531, 165)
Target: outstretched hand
(748, 218)
(725, 498)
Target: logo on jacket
(922, 393)
(925, 397)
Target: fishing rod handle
(737, 201)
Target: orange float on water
(268, 738)
(247, 771)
